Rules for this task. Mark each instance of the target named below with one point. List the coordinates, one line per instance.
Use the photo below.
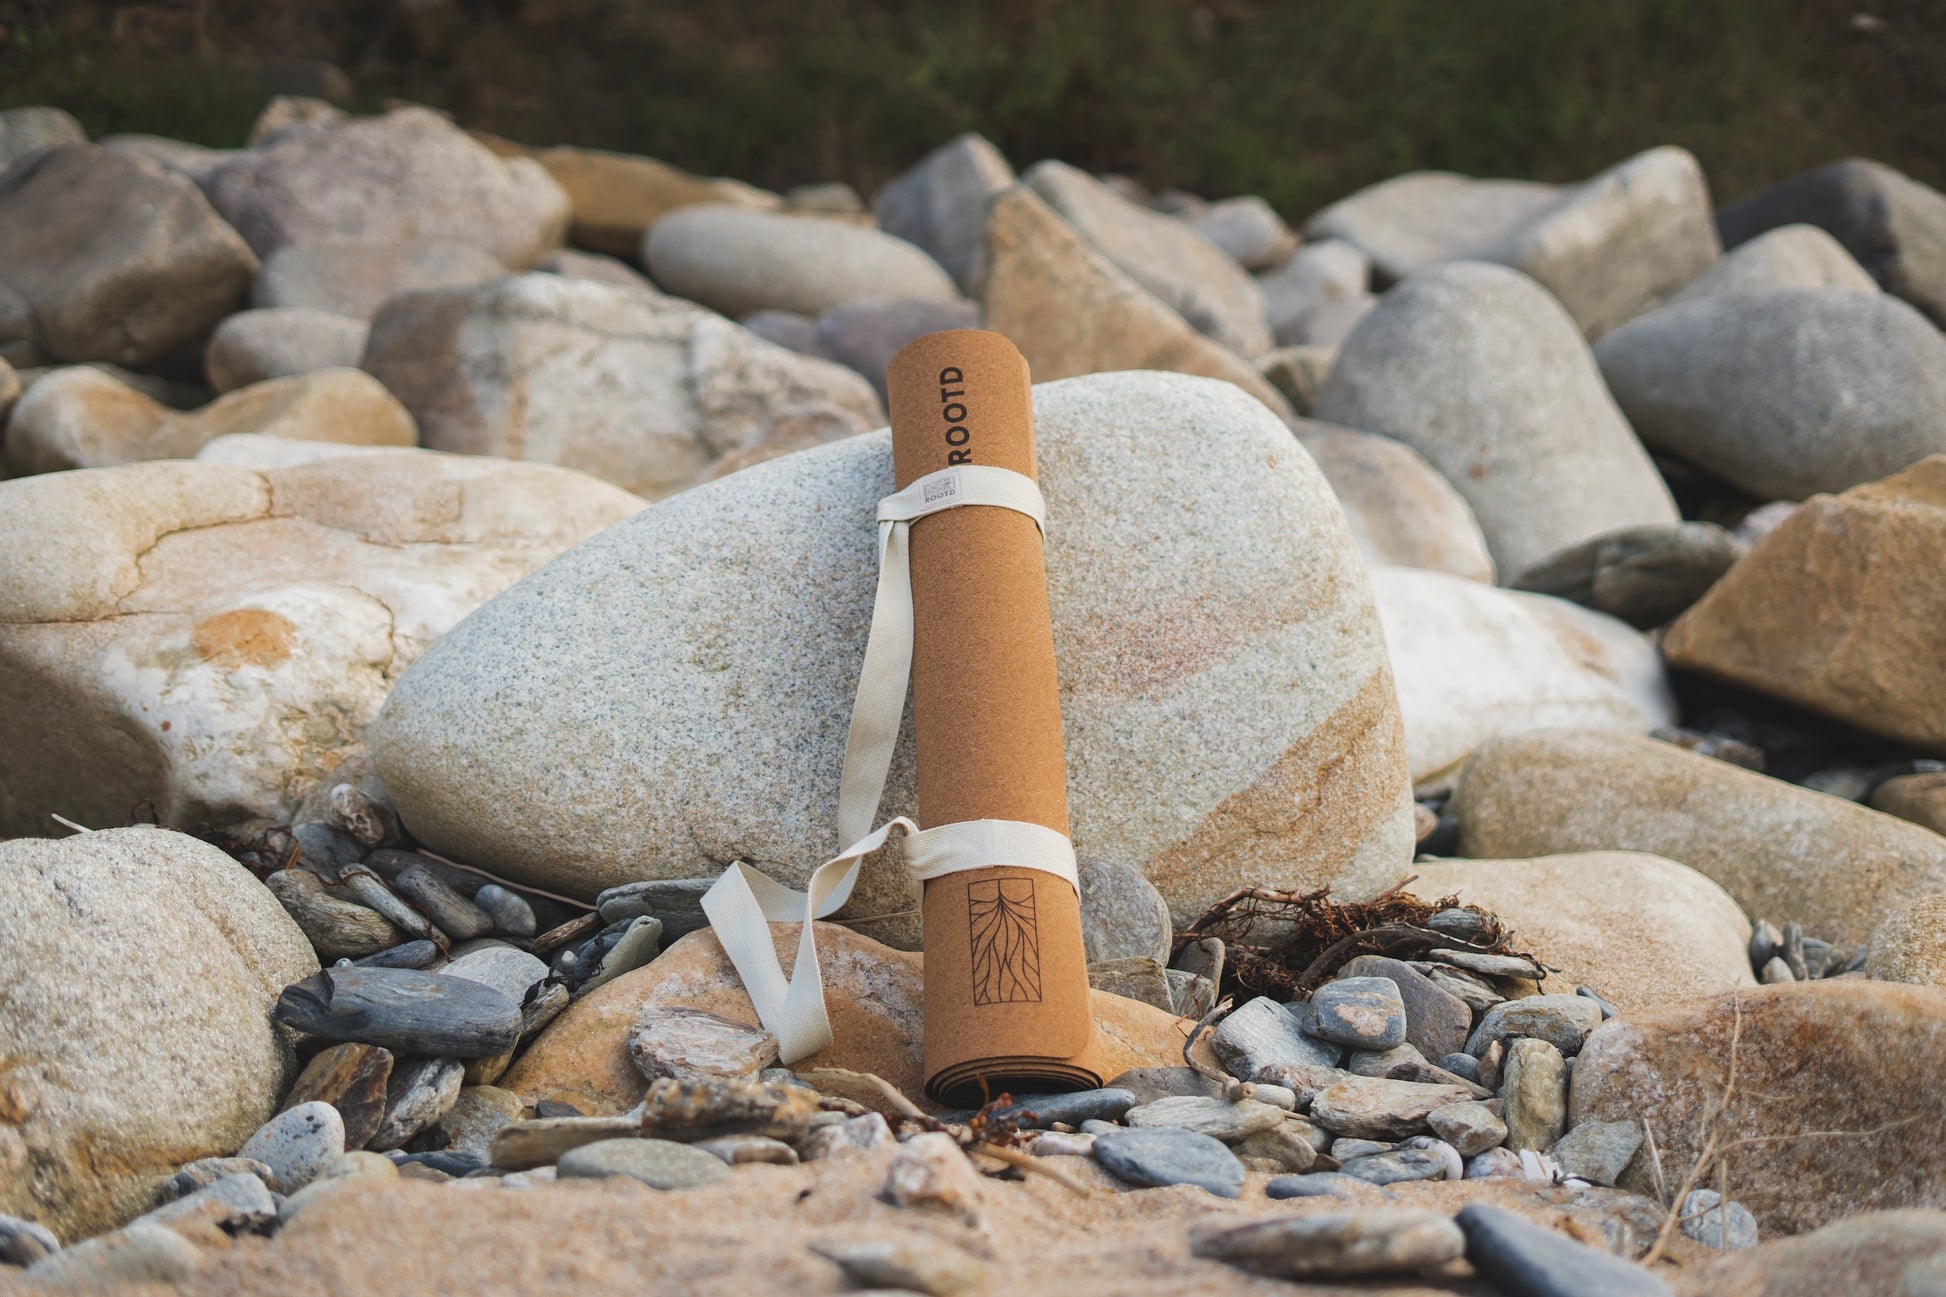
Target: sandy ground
(751, 1234)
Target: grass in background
(1301, 101)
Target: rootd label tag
(943, 487)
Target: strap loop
(742, 903)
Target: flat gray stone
(1341, 1245)
(1437, 1022)
(1320, 1184)
(235, 1202)
(1165, 1155)
(1217, 1118)
(1563, 1021)
(1533, 1261)
(1785, 393)
(1469, 1126)
(1401, 1165)
(1263, 1033)
(1358, 1012)
(1373, 1108)
(657, 1163)
(1598, 1151)
(1043, 1110)
(1646, 576)
(1148, 1084)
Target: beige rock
(1839, 609)
(871, 992)
(1425, 218)
(354, 278)
(210, 639)
(1474, 663)
(1790, 256)
(1640, 930)
(407, 175)
(1838, 1079)
(1899, 1253)
(1919, 798)
(645, 394)
(1298, 372)
(139, 968)
(1402, 512)
(617, 197)
(1535, 1083)
(1071, 311)
(1169, 257)
(1910, 945)
(82, 418)
(252, 346)
(1785, 853)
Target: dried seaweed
(1287, 944)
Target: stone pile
(433, 559)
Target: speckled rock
(1598, 1151)
(1784, 393)
(735, 260)
(940, 202)
(618, 197)
(1479, 370)
(1563, 1021)
(872, 993)
(1894, 225)
(1909, 945)
(114, 258)
(691, 1044)
(1261, 1034)
(1369, 1107)
(1776, 848)
(410, 174)
(1899, 1253)
(645, 394)
(1535, 1086)
(1169, 257)
(252, 346)
(1474, 663)
(90, 1127)
(227, 633)
(352, 279)
(1837, 609)
(1790, 256)
(1256, 690)
(1402, 512)
(1359, 1012)
(1340, 1245)
(1122, 914)
(1849, 1055)
(1071, 310)
(1678, 936)
(297, 1143)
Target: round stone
(657, 1163)
(298, 1144)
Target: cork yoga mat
(1006, 980)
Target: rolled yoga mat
(1006, 978)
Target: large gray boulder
(1894, 225)
(940, 203)
(1169, 257)
(113, 258)
(1479, 370)
(674, 695)
(403, 177)
(739, 261)
(1790, 256)
(643, 393)
(136, 982)
(1785, 393)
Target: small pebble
(448, 1163)
(1359, 1012)
(409, 954)
(1043, 1110)
(1536, 1089)
(1056, 1144)
(737, 1149)
(1262, 1034)
(1705, 1216)
(691, 1045)
(206, 1171)
(1470, 1127)
(510, 912)
(1495, 1164)
(419, 1095)
(1607, 1010)
(657, 1163)
(851, 1135)
(1777, 972)
(233, 1204)
(1217, 1118)
(1597, 1151)
(1473, 961)
(1405, 1164)
(1529, 1260)
(1464, 1066)
(297, 1144)
(1340, 1245)
(1100, 1127)
(1164, 1155)
(1563, 1021)
(1347, 1149)
(352, 1079)
(1318, 1184)
(452, 913)
(930, 1171)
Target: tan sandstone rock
(1910, 945)
(1838, 1080)
(1639, 930)
(1071, 311)
(1785, 853)
(209, 639)
(1839, 609)
(137, 972)
(617, 196)
(1899, 1253)
(1919, 798)
(872, 992)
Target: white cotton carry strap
(742, 903)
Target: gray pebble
(1217, 1118)
(658, 1163)
(507, 970)
(1092, 1127)
(206, 1171)
(235, 1203)
(678, 902)
(1563, 1021)
(1598, 1151)
(1384, 1240)
(1318, 1184)
(409, 954)
(1382, 1062)
(417, 1096)
(1706, 1218)
(1039, 1111)
(737, 1149)
(403, 1010)
(1777, 972)
(1528, 1260)
(1165, 1155)
(1464, 1066)
(1495, 1164)
(1607, 1010)
(22, 1242)
(1347, 1147)
(1262, 1034)
(640, 941)
(1359, 1012)
(1402, 1165)
(850, 1135)
(452, 913)
(1473, 961)
(510, 912)
(297, 1144)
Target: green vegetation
(1302, 101)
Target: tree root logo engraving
(1006, 941)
